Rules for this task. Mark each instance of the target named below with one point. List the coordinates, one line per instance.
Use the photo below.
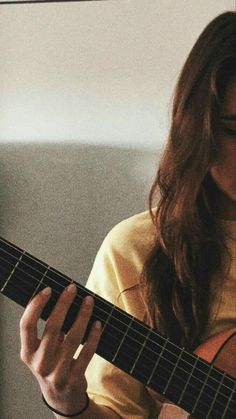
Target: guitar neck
(186, 380)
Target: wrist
(64, 414)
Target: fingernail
(47, 291)
(88, 300)
(97, 324)
(72, 288)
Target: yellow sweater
(115, 276)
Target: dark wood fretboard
(185, 379)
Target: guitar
(202, 383)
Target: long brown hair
(177, 274)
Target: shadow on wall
(58, 201)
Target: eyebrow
(229, 117)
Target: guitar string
(217, 403)
(100, 309)
(154, 382)
(86, 289)
(89, 292)
(105, 302)
(196, 378)
(125, 314)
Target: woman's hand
(60, 376)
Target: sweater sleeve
(114, 276)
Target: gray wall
(58, 202)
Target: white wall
(84, 91)
(95, 72)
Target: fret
(194, 381)
(82, 292)
(71, 313)
(116, 326)
(33, 265)
(173, 371)
(10, 248)
(202, 388)
(122, 340)
(229, 401)
(157, 362)
(228, 387)
(146, 367)
(182, 371)
(25, 275)
(104, 310)
(160, 376)
(108, 318)
(7, 261)
(12, 272)
(119, 321)
(57, 280)
(222, 394)
(138, 334)
(215, 397)
(128, 343)
(142, 348)
(108, 344)
(187, 382)
(5, 269)
(8, 257)
(40, 283)
(218, 389)
(131, 344)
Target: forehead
(229, 99)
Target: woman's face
(223, 169)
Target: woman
(174, 270)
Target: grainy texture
(58, 202)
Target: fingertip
(97, 325)
(47, 291)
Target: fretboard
(182, 377)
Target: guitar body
(220, 350)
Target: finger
(53, 328)
(89, 348)
(78, 329)
(28, 324)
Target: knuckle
(63, 302)
(85, 310)
(25, 324)
(22, 322)
(56, 381)
(61, 308)
(39, 370)
(87, 352)
(73, 341)
(95, 332)
(37, 301)
(92, 346)
(73, 384)
(65, 298)
(24, 356)
(52, 328)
